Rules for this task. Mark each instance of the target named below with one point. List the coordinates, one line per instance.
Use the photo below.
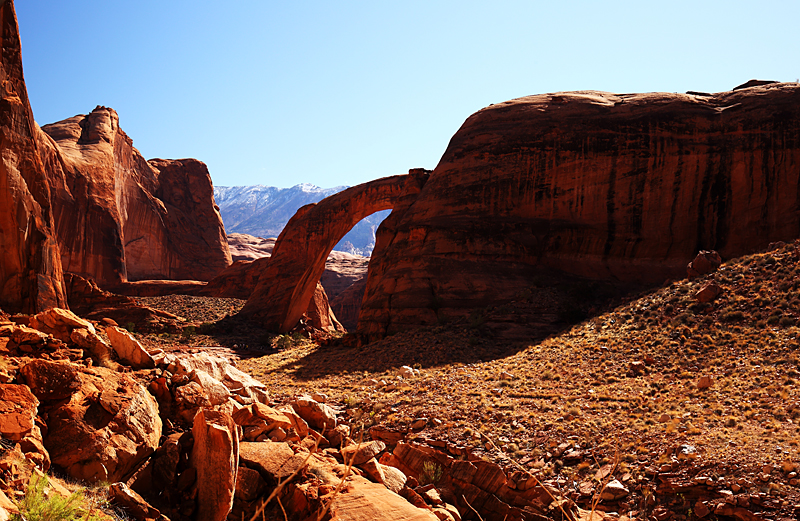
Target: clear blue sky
(333, 93)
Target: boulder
(705, 262)
(131, 502)
(708, 293)
(51, 380)
(221, 370)
(318, 415)
(249, 484)
(213, 390)
(362, 452)
(18, 410)
(215, 455)
(128, 349)
(28, 336)
(274, 461)
(106, 429)
(88, 340)
(60, 323)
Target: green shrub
(431, 473)
(36, 506)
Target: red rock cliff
(121, 218)
(30, 269)
(589, 184)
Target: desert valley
(587, 311)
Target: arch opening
(287, 284)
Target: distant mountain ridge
(263, 211)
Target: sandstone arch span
(287, 284)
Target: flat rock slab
(273, 460)
(362, 500)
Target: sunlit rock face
(30, 268)
(120, 217)
(614, 187)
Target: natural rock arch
(287, 285)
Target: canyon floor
(684, 402)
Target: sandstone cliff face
(121, 218)
(198, 245)
(588, 184)
(30, 269)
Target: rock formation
(249, 247)
(588, 185)
(122, 218)
(341, 269)
(30, 269)
(298, 258)
(347, 304)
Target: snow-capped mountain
(263, 211)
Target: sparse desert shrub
(787, 321)
(206, 328)
(431, 473)
(188, 332)
(731, 316)
(284, 342)
(39, 505)
(130, 326)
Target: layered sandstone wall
(30, 268)
(588, 184)
(120, 217)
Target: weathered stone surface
(705, 262)
(106, 428)
(89, 341)
(59, 323)
(347, 304)
(708, 292)
(194, 225)
(273, 460)
(28, 335)
(215, 455)
(119, 217)
(128, 349)
(88, 300)
(18, 409)
(298, 258)
(249, 484)
(51, 380)
(342, 270)
(363, 500)
(31, 277)
(223, 371)
(391, 477)
(249, 247)
(587, 184)
(134, 504)
(361, 453)
(318, 415)
(319, 312)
